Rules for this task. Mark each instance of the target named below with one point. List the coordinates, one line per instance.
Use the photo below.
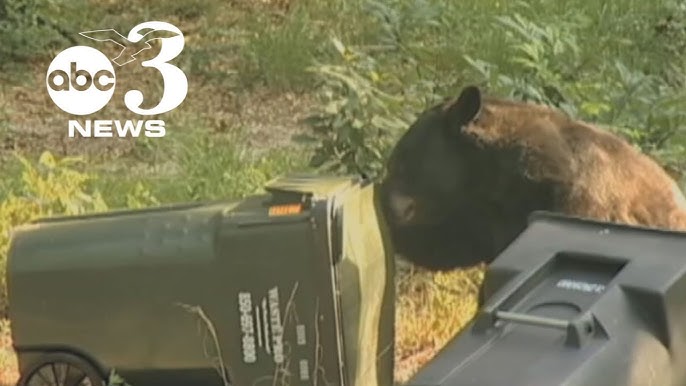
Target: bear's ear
(466, 109)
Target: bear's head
(425, 169)
(449, 199)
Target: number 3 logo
(175, 82)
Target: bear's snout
(403, 208)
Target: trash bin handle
(533, 320)
(578, 330)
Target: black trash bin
(293, 287)
(577, 303)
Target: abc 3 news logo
(81, 80)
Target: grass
(430, 309)
(250, 86)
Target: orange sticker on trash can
(285, 210)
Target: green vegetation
(360, 70)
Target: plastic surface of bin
(575, 302)
(280, 288)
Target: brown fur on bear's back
(597, 174)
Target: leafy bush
(50, 187)
(370, 98)
(357, 121)
(547, 67)
(370, 93)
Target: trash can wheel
(61, 369)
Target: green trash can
(292, 287)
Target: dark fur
(474, 168)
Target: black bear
(462, 181)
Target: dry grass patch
(9, 374)
(431, 308)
